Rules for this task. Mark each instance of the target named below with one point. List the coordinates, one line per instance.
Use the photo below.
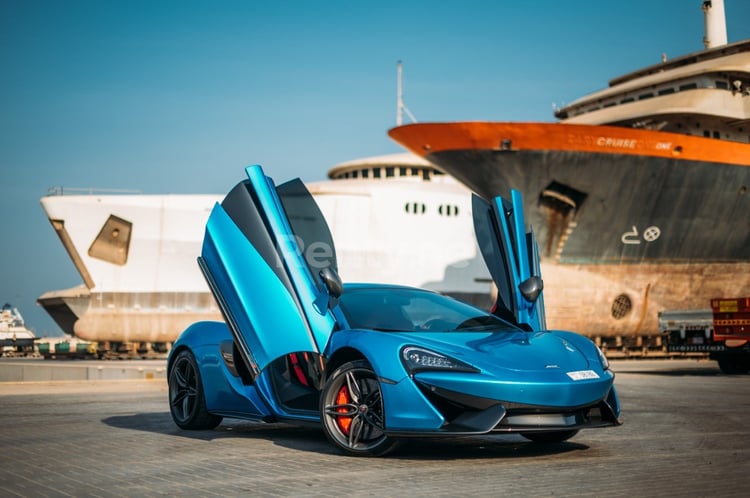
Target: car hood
(511, 351)
(545, 368)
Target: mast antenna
(400, 107)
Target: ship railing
(52, 191)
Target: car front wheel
(187, 400)
(352, 411)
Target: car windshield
(399, 309)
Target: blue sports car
(376, 364)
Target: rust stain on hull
(580, 297)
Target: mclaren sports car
(373, 364)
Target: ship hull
(628, 209)
(659, 218)
(619, 304)
(592, 204)
(128, 317)
(578, 297)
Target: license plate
(583, 375)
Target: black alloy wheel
(352, 411)
(187, 401)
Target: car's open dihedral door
(254, 260)
(512, 257)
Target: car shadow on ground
(499, 446)
(312, 439)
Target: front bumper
(463, 414)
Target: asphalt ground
(686, 433)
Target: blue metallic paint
(320, 319)
(226, 395)
(259, 302)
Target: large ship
(136, 254)
(638, 194)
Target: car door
(263, 250)
(512, 258)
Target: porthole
(415, 208)
(448, 210)
(621, 306)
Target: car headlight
(416, 359)
(602, 358)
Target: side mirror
(531, 288)
(332, 282)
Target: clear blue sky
(178, 96)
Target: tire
(187, 400)
(549, 436)
(734, 364)
(352, 411)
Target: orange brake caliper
(342, 398)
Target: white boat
(395, 219)
(15, 338)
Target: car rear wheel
(549, 436)
(352, 411)
(187, 401)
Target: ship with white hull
(638, 195)
(136, 254)
(15, 338)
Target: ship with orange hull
(638, 195)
